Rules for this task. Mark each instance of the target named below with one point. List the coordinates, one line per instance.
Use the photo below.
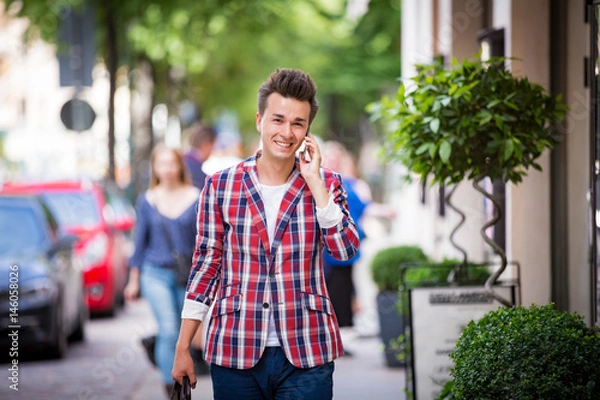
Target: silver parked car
(41, 283)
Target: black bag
(149, 343)
(183, 263)
(183, 391)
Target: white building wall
(528, 211)
(578, 156)
(417, 34)
(414, 222)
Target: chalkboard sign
(438, 316)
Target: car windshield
(21, 232)
(73, 209)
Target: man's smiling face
(282, 126)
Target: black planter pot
(391, 325)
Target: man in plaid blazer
(262, 226)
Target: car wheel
(78, 334)
(121, 301)
(111, 312)
(58, 346)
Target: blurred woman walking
(165, 233)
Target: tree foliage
(217, 52)
(472, 120)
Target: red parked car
(103, 220)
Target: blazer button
(271, 274)
(265, 305)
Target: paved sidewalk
(363, 376)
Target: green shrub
(428, 274)
(527, 353)
(385, 266)
(437, 273)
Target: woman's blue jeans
(165, 297)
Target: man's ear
(258, 121)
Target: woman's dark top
(151, 245)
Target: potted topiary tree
(385, 270)
(474, 120)
(526, 353)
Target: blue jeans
(273, 378)
(166, 301)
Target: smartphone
(302, 150)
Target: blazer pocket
(228, 305)
(315, 302)
(230, 289)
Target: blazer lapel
(288, 206)
(257, 207)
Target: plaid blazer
(235, 267)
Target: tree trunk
(111, 65)
(455, 275)
(142, 102)
(497, 216)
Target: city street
(111, 365)
(460, 139)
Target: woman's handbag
(182, 391)
(183, 263)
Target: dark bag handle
(182, 391)
(166, 232)
(181, 264)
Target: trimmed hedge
(385, 266)
(527, 353)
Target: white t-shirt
(272, 197)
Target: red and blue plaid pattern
(247, 278)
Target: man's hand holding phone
(310, 168)
(310, 158)
(302, 153)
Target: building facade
(549, 224)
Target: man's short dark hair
(290, 83)
(200, 134)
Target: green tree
(217, 52)
(351, 60)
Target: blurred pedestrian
(227, 152)
(228, 148)
(262, 228)
(340, 273)
(340, 283)
(202, 141)
(166, 225)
